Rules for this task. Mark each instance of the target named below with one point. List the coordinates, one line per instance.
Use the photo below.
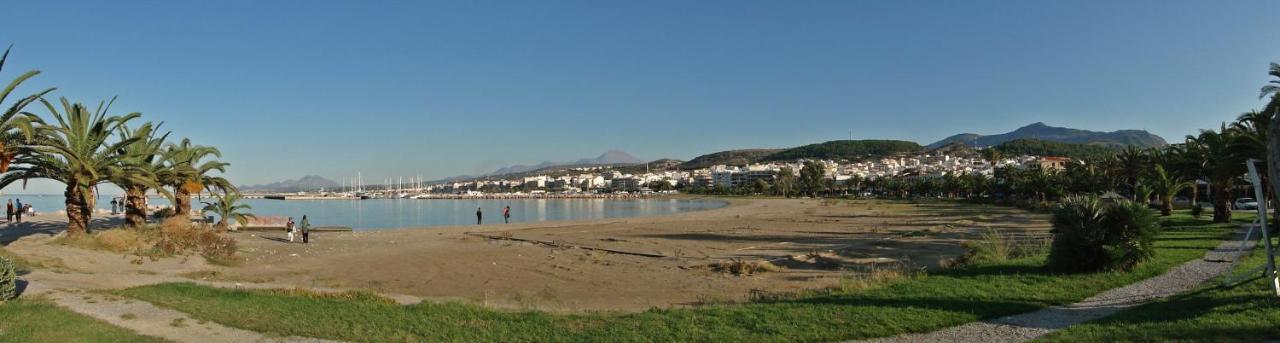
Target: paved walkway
(1028, 326)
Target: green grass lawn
(918, 304)
(1248, 311)
(28, 320)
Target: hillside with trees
(849, 150)
(1041, 131)
(730, 157)
(1038, 147)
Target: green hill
(1048, 148)
(851, 150)
(729, 157)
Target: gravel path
(1027, 326)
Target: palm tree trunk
(135, 206)
(1195, 193)
(1222, 204)
(79, 210)
(1166, 205)
(181, 203)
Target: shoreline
(611, 264)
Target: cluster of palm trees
(84, 148)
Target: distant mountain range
(1044, 132)
(306, 183)
(611, 157)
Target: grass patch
(881, 305)
(1245, 312)
(35, 320)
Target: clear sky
(291, 88)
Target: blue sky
(290, 88)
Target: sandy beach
(564, 266)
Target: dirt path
(150, 320)
(68, 276)
(1027, 326)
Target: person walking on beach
(113, 205)
(478, 215)
(506, 215)
(17, 216)
(9, 212)
(306, 230)
(288, 228)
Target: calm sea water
(376, 214)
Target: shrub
(162, 214)
(740, 267)
(120, 240)
(174, 236)
(1090, 235)
(177, 236)
(877, 276)
(8, 279)
(1133, 228)
(990, 246)
(1196, 211)
(993, 246)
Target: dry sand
(453, 263)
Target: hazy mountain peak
(1042, 131)
(305, 183)
(612, 157)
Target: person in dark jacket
(305, 227)
(479, 215)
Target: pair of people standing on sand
(14, 212)
(304, 228)
(506, 215)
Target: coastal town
(617, 181)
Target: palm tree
(1166, 185)
(1272, 111)
(76, 152)
(1272, 87)
(188, 173)
(228, 207)
(1132, 162)
(1187, 161)
(1220, 169)
(144, 153)
(16, 125)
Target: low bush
(1196, 211)
(8, 280)
(993, 246)
(162, 214)
(178, 236)
(174, 236)
(990, 246)
(741, 267)
(121, 241)
(878, 276)
(1092, 235)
